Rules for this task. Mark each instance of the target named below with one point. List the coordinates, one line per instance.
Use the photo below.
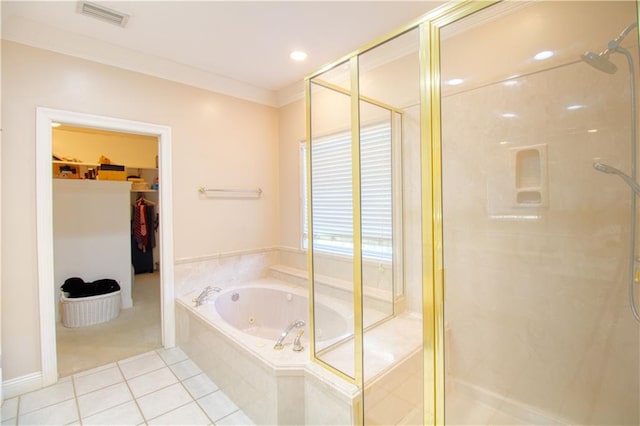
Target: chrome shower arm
(613, 44)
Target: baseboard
(22, 384)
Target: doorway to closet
(105, 225)
(48, 287)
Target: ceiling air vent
(102, 13)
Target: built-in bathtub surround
(340, 267)
(228, 269)
(232, 335)
(223, 269)
(335, 278)
(269, 384)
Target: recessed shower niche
(530, 169)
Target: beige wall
(292, 132)
(536, 296)
(217, 141)
(1, 144)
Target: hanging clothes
(143, 231)
(139, 225)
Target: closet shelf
(141, 167)
(75, 163)
(82, 163)
(82, 170)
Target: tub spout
(296, 324)
(205, 293)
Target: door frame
(44, 223)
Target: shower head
(600, 61)
(605, 168)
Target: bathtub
(256, 313)
(231, 338)
(265, 309)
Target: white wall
(92, 233)
(217, 141)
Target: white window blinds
(332, 193)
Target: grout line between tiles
(81, 420)
(75, 397)
(135, 400)
(238, 410)
(146, 420)
(203, 395)
(101, 410)
(107, 409)
(154, 391)
(44, 406)
(139, 375)
(166, 350)
(187, 390)
(204, 411)
(178, 407)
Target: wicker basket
(83, 311)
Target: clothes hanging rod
(204, 190)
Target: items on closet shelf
(144, 224)
(138, 183)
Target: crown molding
(46, 37)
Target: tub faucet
(297, 344)
(296, 324)
(203, 296)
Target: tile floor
(162, 387)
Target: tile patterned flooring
(162, 387)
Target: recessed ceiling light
(455, 81)
(545, 54)
(574, 107)
(509, 115)
(298, 55)
(592, 130)
(55, 124)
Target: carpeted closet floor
(135, 331)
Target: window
(332, 193)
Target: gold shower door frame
(358, 341)
(429, 27)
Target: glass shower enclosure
(537, 242)
(472, 206)
(364, 227)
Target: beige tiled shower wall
(536, 297)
